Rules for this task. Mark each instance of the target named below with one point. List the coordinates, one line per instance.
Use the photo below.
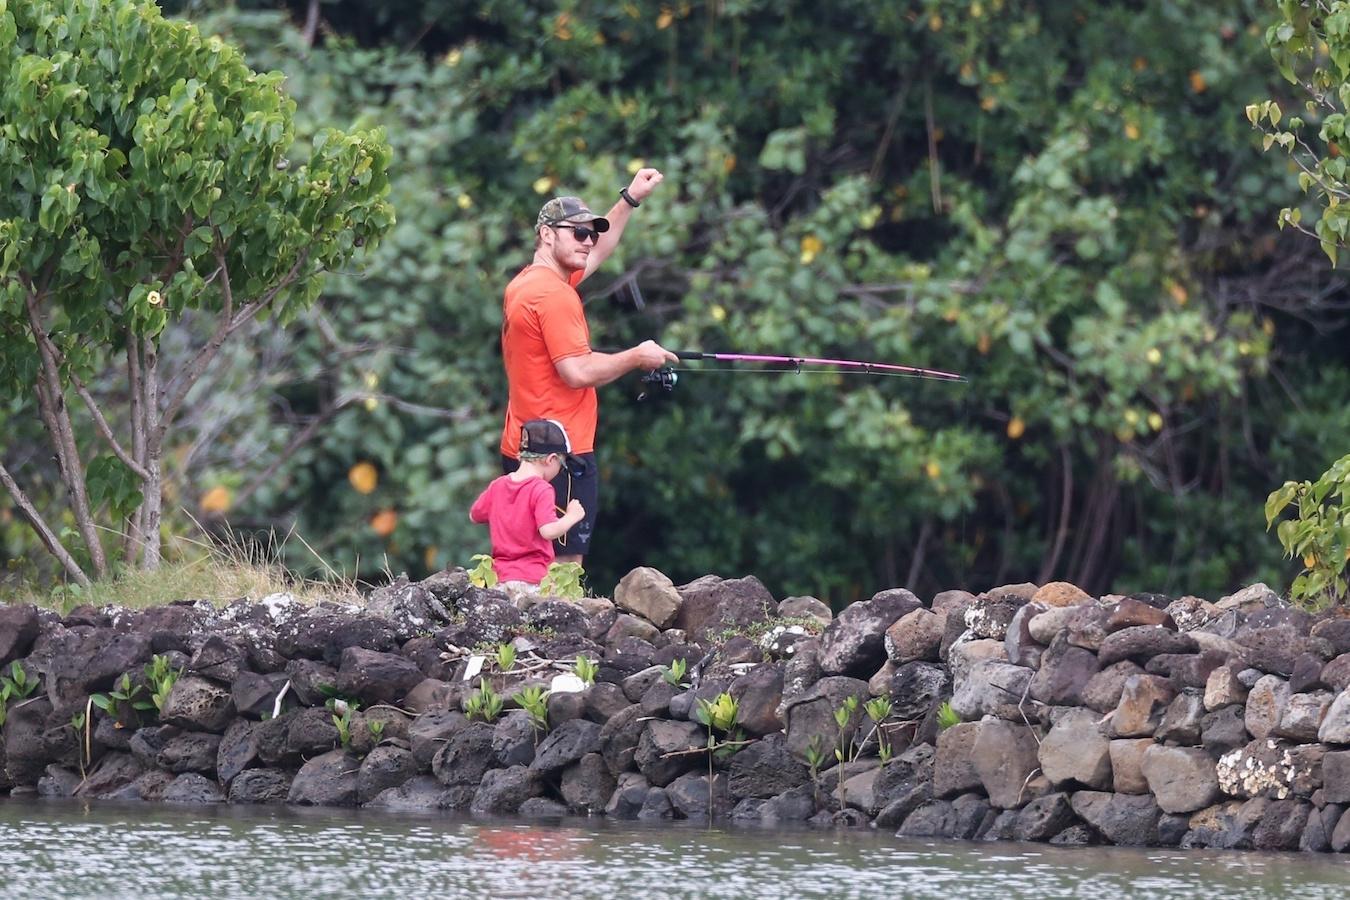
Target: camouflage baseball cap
(570, 210)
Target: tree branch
(43, 530)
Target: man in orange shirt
(551, 370)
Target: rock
(1004, 757)
(1064, 671)
(637, 684)
(465, 757)
(993, 688)
(1336, 776)
(1076, 752)
(191, 787)
(964, 655)
(324, 636)
(427, 734)
(1142, 642)
(18, 629)
(260, 786)
(960, 818)
(764, 769)
(565, 745)
(1087, 629)
(1126, 820)
(1340, 836)
(1335, 727)
(854, 643)
(560, 617)
(811, 716)
(197, 704)
(219, 660)
(990, 614)
(374, 677)
(1131, 613)
(431, 695)
(83, 662)
(1302, 715)
(626, 625)
(1021, 648)
(805, 607)
(1336, 674)
(411, 609)
(661, 754)
(1316, 837)
(1223, 688)
(758, 694)
(1307, 675)
(587, 785)
(383, 768)
(312, 682)
(915, 636)
(190, 751)
(711, 605)
(1181, 779)
(1227, 826)
(255, 695)
(1181, 723)
(1043, 818)
(513, 740)
(1051, 623)
(565, 706)
(628, 797)
(1223, 730)
(953, 769)
(310, 732)
(619, 738)
(648, 593)
(1103, 690)
(58, 783)
(1142, 704)
(326, 780)
(1060, 594)
(504, 790)
(1281, 825)
(1249, 599)
(1127, 765)
(914, 688)
(691, 793)
(421, 793)
(1272, 769)
(1265, 705)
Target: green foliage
(483, 575)
(161, 678)
(534, 700)
(124, 702)
(878, 709)
(17, 685)
(563, 580)
(585, 668)
(484, 703)
(505, 657)
(376, 730)
(947, 717)
(149, 183)
(343, 712)
(1319, 534)
(847, 747)
(673, 674)
(720, 715)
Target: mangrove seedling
(161, 678)
(947, 717)
(674, 673)
(720, 714)
(343, 711)
(563, 580)
(843, 714)
(123, 702)
(376, 730)
(484, 703)
(585, 669)
(815, 757)
(879, 709)
(483, 575)
(534, 700)
(506, 657)
(18, 682)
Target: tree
(148, 184)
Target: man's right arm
(596, 369)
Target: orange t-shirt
(543, 322)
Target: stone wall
(1136, 720)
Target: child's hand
(575, 510)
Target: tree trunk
(154, 449)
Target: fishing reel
(662, 379)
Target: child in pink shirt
(520, 509)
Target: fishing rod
(665, 378)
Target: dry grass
(216, 568)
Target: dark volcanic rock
(765, 769)
(374, 677)
(854, 643)
(327, 780)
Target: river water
(65, 849)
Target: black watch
(628, 198)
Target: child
(520, 509)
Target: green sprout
(506, 657)
(947, 717)
(483, 575)
(484, 703)
(674, 673)
(563, 580)
(585, 669)
(534, 700)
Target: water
(106, 851)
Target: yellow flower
(1155, 421)
(718, 312)
(453, 57)
(1132, 131)
(543, 184)
(371, 404)
(464, 201)
(933, 470)
(1154, 355)
(1016, 427)
(811, 245)
(216, 500)
(364, 477)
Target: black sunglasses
(582, 233)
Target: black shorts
(586, 489)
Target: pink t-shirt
(513, 511)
